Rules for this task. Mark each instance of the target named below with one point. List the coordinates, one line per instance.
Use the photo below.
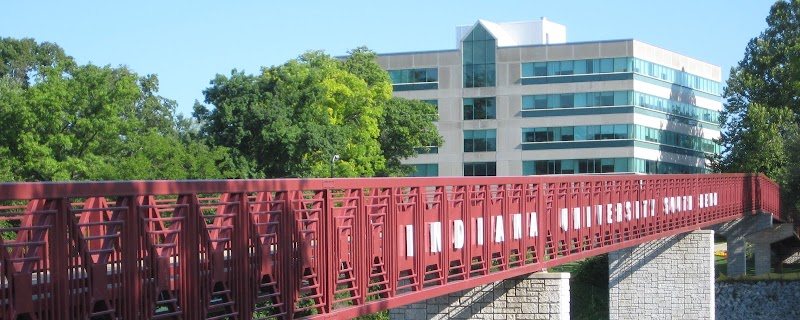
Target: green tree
(407, 126)
(290, 120)
(21, 58)
(83, 122)
(761, 112)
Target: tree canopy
(762, 108)
(290, 120)
(65, 121)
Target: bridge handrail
(328, 247)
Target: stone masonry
(534, 296)
(668, 278)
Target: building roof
(510, 34)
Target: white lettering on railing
(533, 229)
(628, 215)
(576, 216)
(613, 212)
(436, 237)
(499, 230)
(479, 227)
(599, 215)
(409, 241)
(458, 234)
(588, 216)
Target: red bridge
(337, 248)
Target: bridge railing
(293, 248)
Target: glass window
(604, 99)
(606, 165)
(621, 98)
(467, 51)
(540, 135)
(567, 133)
(480, 140)
(479, 75)
(620, 131)
(580, 100)
(606, 65)
(479, 52)
(603, 165)
(396, 76)
(567, 166)
(566, 100)
(593, 133)
(425, 170)
(527, 69)
(553, 68)
(541, 167)
(540, 102)
(592, 66)
(580, 66)
(479, 59)
(528, 135)
(490, 74)
(480, 169)
(607, 132)
(581, 133)
(432, 75)
(479, 108)
(622, 65)
(540, 69)
(527, 102)
(422, 75)
(566, 68)
(528, 168)
(621, 165)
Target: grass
(721, 266)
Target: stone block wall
(534, 296)
(668, 278)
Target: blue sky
(186, 43)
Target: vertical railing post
(289, 256)
(391, 250)
(419, 240)
(189, 259)
(362, 261)
(240, 259)
(58, 245)
(132, 284)
(330, 264)
(541, 221)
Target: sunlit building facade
(517, 99)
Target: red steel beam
(327, 248)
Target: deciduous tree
(64, 121)
(290, 120)
(762, 105)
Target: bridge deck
(293, 248)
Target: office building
(518, 99)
